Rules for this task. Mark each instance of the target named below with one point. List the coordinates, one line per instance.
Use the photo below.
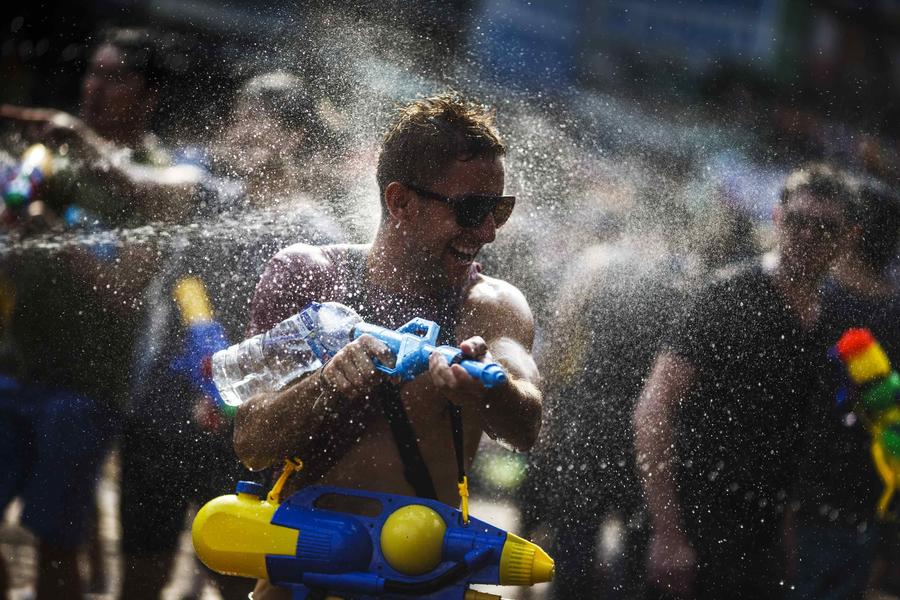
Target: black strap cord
(456, 425)
(414, 468)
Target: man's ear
(397, 199)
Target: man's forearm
(654, 442)
(159, 193)
(654, 439)
(512, 413)
(271, 427)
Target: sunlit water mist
(285, 224)
(586, 168)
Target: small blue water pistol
(412, 344)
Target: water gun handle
(413, 344)
(490, 374)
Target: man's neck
(391, 267)
(800, 291)
(852, 273)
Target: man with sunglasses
(717, 427)
(441, 178)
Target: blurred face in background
(257, 143)
(811, 233)
(115, 100)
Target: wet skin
(494, 322)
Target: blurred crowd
(706, 432)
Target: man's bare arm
(510, 412)
(159, 192)
(671, 559)
(263, 425)
(654, 436)
(271, 427)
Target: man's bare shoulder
(307, 260)
(498, 303)
(295, 276)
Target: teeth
(470, 250)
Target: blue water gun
(360, 544)
(412, 344)
(205, 336)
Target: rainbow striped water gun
(877, 388)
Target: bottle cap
(250, 487)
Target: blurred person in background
(609, 310)
(73, 319)
(837, 533)
(276, 143)
(118, 169)
(718, 423)
(176, 449)
(612, 310)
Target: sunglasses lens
(503, 210)
(472, 210)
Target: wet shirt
(738, 429)
(838, 483)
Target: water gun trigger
(423, 328)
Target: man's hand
(672, 564)
(351, 372)
(452, 381)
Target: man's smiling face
(438, 239)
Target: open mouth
(464, 253)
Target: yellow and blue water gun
(204, 337)
(375, 545)
(412, 345)
(877, 387)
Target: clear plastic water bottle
(270, 361)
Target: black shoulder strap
(414, 468)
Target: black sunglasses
(471, 209)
